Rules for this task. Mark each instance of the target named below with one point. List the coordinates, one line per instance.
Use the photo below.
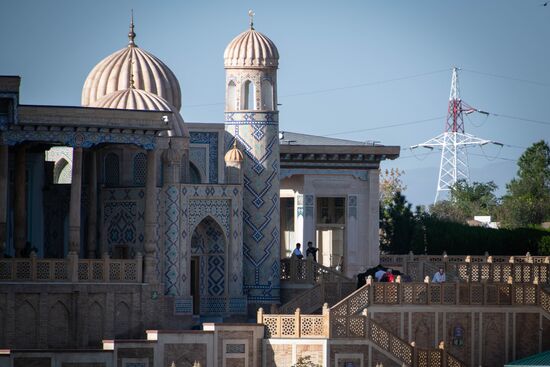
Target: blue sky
(345, 66)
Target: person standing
(311, 251)
(297, 252)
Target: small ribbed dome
(113, 73)
(137, 99)
(234, 154)
(251, 49)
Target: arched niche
(249, 95)
(267, 95)
(231, 99)
(112, 169)
(209, 250)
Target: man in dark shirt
(311, 251)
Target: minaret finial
(251, 15)
(131, 34)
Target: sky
(360, 70)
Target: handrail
(313, 298)
(308, 271)
(72, 269)
(518, 269)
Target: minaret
(251, 117)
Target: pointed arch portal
(208, 263)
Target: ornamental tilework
(309, 203)
(211, 217)
(210, 138)
(352, 206)
(208, 242)
(171, 241)
(198, 156)
(123, 218)
(218, 209)
(78, 139)
(258, 137)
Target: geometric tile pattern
(172, 269)
(82, 139)
(140, 169)
(197, 156)
(352, 206)
(123, 218)
(257, 135)
(210, 138)
(208, 243)
(220, 207)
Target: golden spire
(131, 34)
(251, 15)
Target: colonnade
(20, 204)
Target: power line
(386, 126)
(540, 84)
(318, 91)
(520, 118)
(366, 84)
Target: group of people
(383, 274)
(310, 251)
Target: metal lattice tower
(454, 141)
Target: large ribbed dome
(113, 73)
(137, 99)
(251, 49)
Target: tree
(305, 362)
(466, 201)
(397, 225)
(390, 183)
(527, 200)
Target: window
(331, 210)
(140, 169)
(231, 101)
(249, 96)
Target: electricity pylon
(454, 141)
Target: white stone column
(75, 204)
(310, 220)
(3, 197)
(373, 240)
(150, 218)
(92, 206)
(299, 213)
(20, 217)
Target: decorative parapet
(308, 271)
(296, 325)
(71, 269)
(521, 269)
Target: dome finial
(131, 34)
(251, 15)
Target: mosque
(193, 217)
(131, 238)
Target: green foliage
(446, 210)
(305, 362)
(390, 183)
(399, 225)
(467, 200)
(527, 200)
(459, 239)
(544, 246)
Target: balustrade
(308, 271)
(71, 269)
(520, 269)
